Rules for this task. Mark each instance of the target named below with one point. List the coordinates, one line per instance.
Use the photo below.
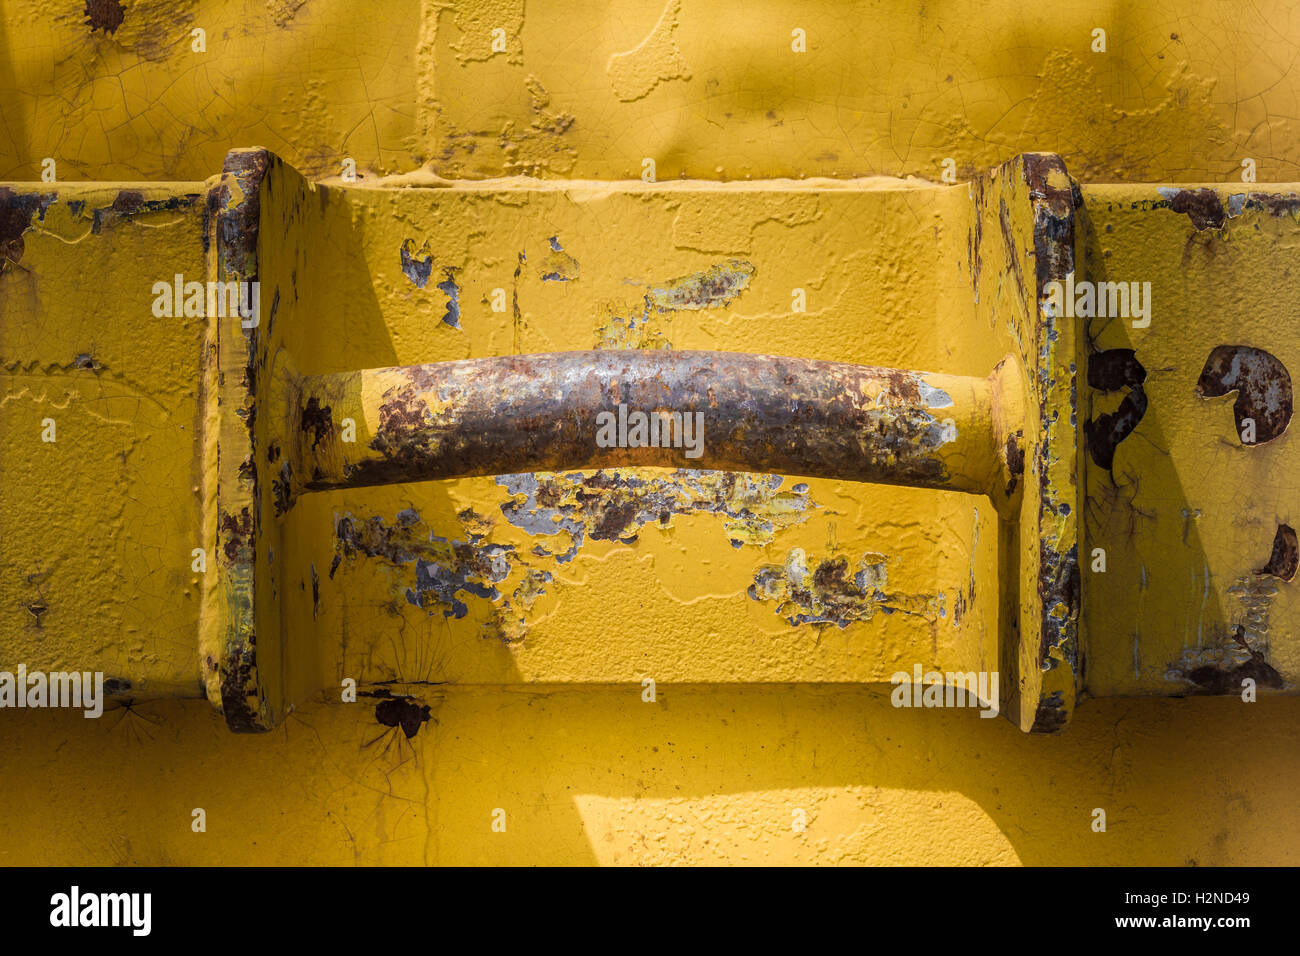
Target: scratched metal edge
(236, 206)
(1056, 341)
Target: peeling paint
(615, 505)
(106, 15)
(1202, 206)
(511, 624)
(1110, 371)
(712, 289)
(557, 265)
(417, 264)
(17, 210)
(1285, 557)
(451, 290)
(831, 593)
(442, 569)
(1262, 384)
(645, 325)
(1221, 668)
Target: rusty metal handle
(546, 412)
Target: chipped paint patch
(17, 210)
(417, 264)
(712, 289)
(511, 624)
(615, 505)
(443, 569)
(632, 328)
(557, 265)
(106, 15)
(451, 290)
(400, 710)
(1115, 370)
(1202, 206)
(831, 593)
(645, 325)
(654, 60)
(1285, 557)
(1262, 384)
(1221, 669)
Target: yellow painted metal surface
(696, 582)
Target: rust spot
(238, 532)
(238, 221)
(1262, 384)
(1058, 594)
(1275, 204)
(1227, 680)
(1055, 192)
(1009, 243)
(1055, 197)
(1110, 371)
(975, 238)
(106, 15)
(1214, 680)
(282, 487)
(128, 201)
(315, 592)
(16, 213)
(1202, 206)
(1015, 459)
(317, 420)
(405, 712)
(1221, 668)
(766, 414)
(238, 686)
(1109, 429)
(1114, 369)
(1051, 714)
(1285, 559)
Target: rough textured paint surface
(1181, 94)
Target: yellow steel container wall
(829, 152)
